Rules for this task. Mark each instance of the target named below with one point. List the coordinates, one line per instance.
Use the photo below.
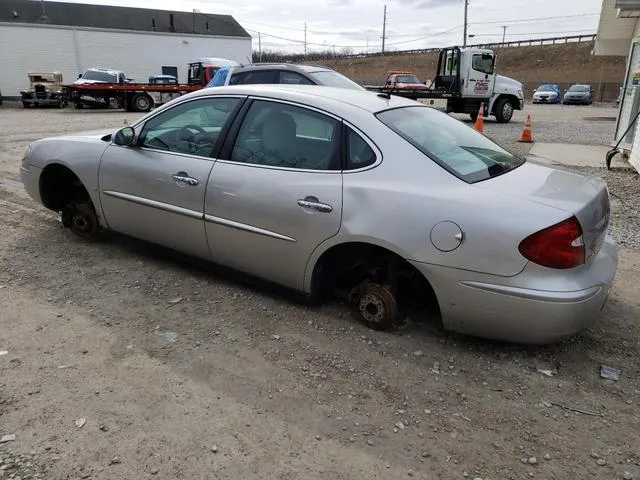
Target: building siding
(72, 50)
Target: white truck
(467, 78)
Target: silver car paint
(394, 205)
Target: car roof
(313, 95)
(283, 66)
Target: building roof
(121, 18)
(616, 28)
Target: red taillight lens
(559, 246)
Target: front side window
(461, 150)
(253, 77)
(293, 78)
(482, 63)
(190, 127)
(288, 136)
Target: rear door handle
(315, 204)
(184, 177)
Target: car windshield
(579, 88)
(99, 76)
(334, 79)
(407, 79)
(461, 150)
(546, 88)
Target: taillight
(558, 246)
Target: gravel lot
(120, 361)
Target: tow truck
(466, 78)
(114, 87)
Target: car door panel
(264, 218)
(148, 203)
(155, 191)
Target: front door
(155, 190)
(276, 193)
(480, 74)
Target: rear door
(276, 192)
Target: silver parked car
(328, 190)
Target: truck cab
(469, 75)
(203, 71)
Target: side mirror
(124, 137)
(79, 75)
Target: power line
(529, 20)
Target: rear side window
(359, 153)
(293, 78)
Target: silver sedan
(387, 202)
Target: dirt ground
(124, 362)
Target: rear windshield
(334, 79)
(461, 150)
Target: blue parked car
(547, 93)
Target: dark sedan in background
(578, 95)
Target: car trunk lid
(586, 197)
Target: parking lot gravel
(122, 361)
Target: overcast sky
(411, 24)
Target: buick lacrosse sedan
(390, 203)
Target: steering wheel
(194, 127)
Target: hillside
(563, 64)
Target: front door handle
(184, 178)
(315, 204)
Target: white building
(69, 37)
(619, 35)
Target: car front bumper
(524, 308)
(545, 100)
(30, 177)
(576, 101)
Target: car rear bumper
(520, 309)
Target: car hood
(584, 196)
(577, 94)
(546, 92)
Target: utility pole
(259, 48)
(466, 11)
(504, 32)
(305, 38)
(384, 27)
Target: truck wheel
(25, 104)
(78, 105)
(141, 102)
(503, 110)
(474, 116)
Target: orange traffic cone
(479, 126)
(527, 132)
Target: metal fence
(329, 55)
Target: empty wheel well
(347, 265)
(59, 187)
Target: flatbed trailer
(133, 97)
